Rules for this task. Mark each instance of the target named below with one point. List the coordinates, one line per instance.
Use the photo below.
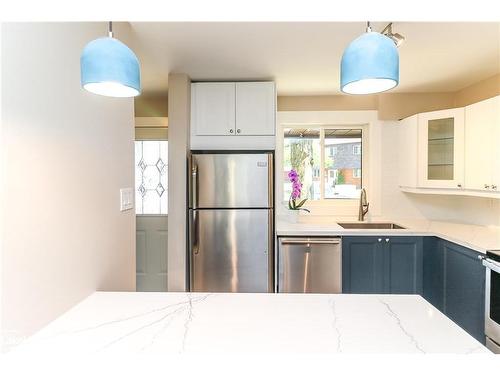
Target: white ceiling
(304, 58)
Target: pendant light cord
(110, 29)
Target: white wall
(65, 154)
(457, 209)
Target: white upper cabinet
(482, 145)
(213, 108)
(255, 108)
(407, 143)
(441, 149)
(233, 109)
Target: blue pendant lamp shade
(110, 68)
(369, 64)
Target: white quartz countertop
(475, 237)
(225, 323)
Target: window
(332, 151)
(151, 177)
(334, 173)
(302, 153)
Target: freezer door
(231, 180)
(309, 265)
(231, 250)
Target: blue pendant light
(370, 64)
(110, 68)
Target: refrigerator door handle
(270, 180)
(194, 185)
(194, 238)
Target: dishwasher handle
(290, 241)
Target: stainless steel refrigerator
(231, 236)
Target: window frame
(322, 120)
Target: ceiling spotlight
(397, 38)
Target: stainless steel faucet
(363, 205)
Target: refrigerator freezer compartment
(226, 180)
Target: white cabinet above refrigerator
(233, 115)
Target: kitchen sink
(370, 226)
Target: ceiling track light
(397, 38)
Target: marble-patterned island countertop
(246, 323)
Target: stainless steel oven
(492, 300)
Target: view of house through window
(339, 165)
(302, 152)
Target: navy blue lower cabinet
(362, 265)
(385, 264)
(464, 278)
(403, 268)
(454, 283)
(433, 263)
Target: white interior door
(151, 201)
(151, 250)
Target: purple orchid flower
(293, 176)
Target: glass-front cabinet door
(441, 149)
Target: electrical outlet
(126, 199)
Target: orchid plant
(296, 191)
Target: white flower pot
(292, 216)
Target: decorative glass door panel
(151, 173)
(440, 149)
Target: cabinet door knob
(386, 240)
(238, 131)
(486, 186)
(459, 185)
(231, 131)
(380, 240)
(494, 187)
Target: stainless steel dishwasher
(309, 265)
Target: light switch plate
(126, 199)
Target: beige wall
(391, 106)
(482, 90)
(327, 103)
(66, 154)
(397, 106)
(179, 102)
(394, 106)
(151, 105)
